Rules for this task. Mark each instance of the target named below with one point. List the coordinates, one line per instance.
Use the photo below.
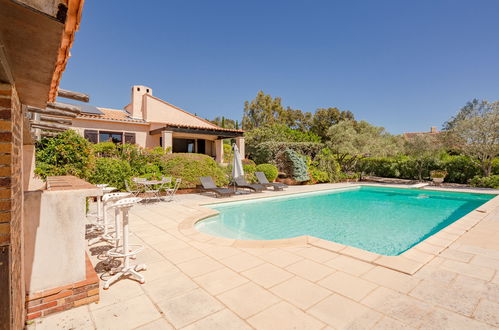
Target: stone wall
(11, 200)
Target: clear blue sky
(404, 65)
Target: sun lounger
(210, 186)
(262, 179)
(241, 183)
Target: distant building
(432, 132)
(151, 122)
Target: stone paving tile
(248, 299)
(127, 314)
(158, 269)
(488, 312)
(485, 262)
(456, 255)
(170, 285)
(76, 318)
(182, 255)
(221, 252)
(284, 316)
(460, 301)
(408, 310)
(267, 275)
(199, 266)
(468, 269)
(220, 280)
(387, 323)
(223, 319)
(435, 274)
(118, 292)
(188, 308)
(317, 254)
(310, 270)
(241, 262)
(300, 292)
(340, 312)
(348, 285)
(391, 279)
(156, 324)
(350, 265)
(280, 258)
(442, 319)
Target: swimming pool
(383, 220)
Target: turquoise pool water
(387, 221)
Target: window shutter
(130, 138)
(92, 136)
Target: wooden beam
(53, 112)
(206, 131)
(64, 107)
(43, 125)
(51, 134)
(73, 95)
(56, 120)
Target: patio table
(151, 183)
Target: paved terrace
(194, 282)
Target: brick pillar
(11, 206)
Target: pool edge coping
(408, 262)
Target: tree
(264, 109)
(351, 141)
(225, 122)
(475, 131)
(424, 150)
(295, 119)
(325, 118)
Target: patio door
(202, 147)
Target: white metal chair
(170, 192)
(124, 251)
(132, 189)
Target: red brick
(76, 297)
(5, 137)
(60, 295)
(57, 309)
(5, 170)
(33, 315)
(5, 204)
(42, 307)
(85, 301)
(93, 292)
(5, 216)
(50, 292)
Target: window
(130, 138)
(183, 145)
(138, 89)
(147, 90)
(91, 135)
(115, 137)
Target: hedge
(269, 170)
(189, 167)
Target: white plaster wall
(161, 112)
(54, 238)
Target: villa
(152, 122)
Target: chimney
(434, 129)
(137, 104)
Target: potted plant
(438, 176)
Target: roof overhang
(222, 134)
(35, 37)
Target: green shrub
(485, 182)
(495, 166)
(266, 152)
(269, 170)
(325, 161)
(189, 167)
(438, 174)
(67, 153)
(228, 153)
(295, 165)
(105, 149)
(460, 169)
(315, 174)
(113, 171)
